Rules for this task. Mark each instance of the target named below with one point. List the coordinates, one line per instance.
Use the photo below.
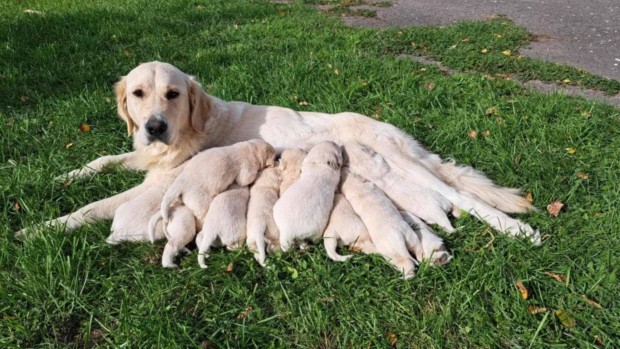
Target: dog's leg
(127, 160)
(208, 238)
(171, 250)
(96, 211)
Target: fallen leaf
(484, 50)
(108, 100)
(598, 340)
(303, 103)
(591, 302)
(586, 114)
(430, 86)
(69, 145)
(523, 290)
(336, 71)
(532, 309)
(582, 175)
(565, 319)
(556, 276)
(465, 40)
(127, 53)
(486, 133)
(17, 207)
(392, 338)
(229, 268)
(354, 249)
(500, 121)
(67, 182)
(529, 197)
(242, 315)
(413, 43)
(34, 12)
(207, 345)
(24, 98)
(566, 81)
(491, 111)
(499, 36)
(598, 214)
(555, 208)
(84, 128)
(282, 13)
(472, 134)
(507, 53)
(571, 150)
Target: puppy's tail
(173, 193)
(153, 225)
(474, 182)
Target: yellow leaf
(555, 208)
(566, 81)
(591, 302)
(532, 309)
(556, 276)
(486, 133)
(24, 98)
(229, 267)
(465, 40)
(17, 206)
(586, 114)
(303, 103)
(430, 86)
(582, 175)
(499, 36)
(69, 145)
(507, 53)
(523, 290)
(84, 128)
(336, 71)
(392, 338)
(484, 50)
(472, 134)
(491, 111)
(68, 182)
(571, 150)
(529, 197)
(565, 319)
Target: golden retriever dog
(290, 166)
(171, 118)
(346, 228)
(391, 235)
(262, 231)
(410, 197)
(225, 223)
(302, 212)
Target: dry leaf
(465, 40)
(499, 36)
(529, 197)
(127, 53)
(24, 98)
(500, 121)
(303, 103)
(586, 114)
(507, 53)
(555, 208)
(430, 86)
(282, 13)
(491, 111)
(67, 182)
(84, 128)
(598, 340)
(34, 12)
(565, 319)
(354, 249)
(532, 309)
(523, 290)
(17, 207)
(108, 100)
(229, 267)
(336, 71)
(591, 302)
(392, 338)
(472, 134)
(558, 277)
(484, 50)
(566, 81)
(582, 175)
(571, 150)
(69, 145)
(486, 133)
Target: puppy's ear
(335, 162)
(121, 105)
(199, 105)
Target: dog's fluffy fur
(159, 92)
(290, 166)
(262, 232)
(346, 228)
(303, 210)
(391, 235)
(225, 222)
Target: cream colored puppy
(203, 177)
(225, 222)
(432, 245)
(346, 228)
(408, 196)
(391, 235)
(290, 166)
(261, 228)
(303, 210)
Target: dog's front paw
(74, 175)
(168, 265)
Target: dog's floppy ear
(121, 105)
(199, 106)
(335, 162)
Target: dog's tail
(153, 225)
(474, 182)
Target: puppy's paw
(440, 258)
(169, 265)
(341, 258)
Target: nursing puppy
(290, 166)
(433, 246)
(346, 228)
(261, 227)
(391, 235)
(225, 222)
(203, 177)
(303, 210)
(408, 196)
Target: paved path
(581, 33)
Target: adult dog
(171, 118)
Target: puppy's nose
(156, 127)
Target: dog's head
(160, 103)
(263, 151)
(325, 153)
(291, 159)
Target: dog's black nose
(156, 127)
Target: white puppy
(225, 221)
(203, 177)
(346, 228)
(290, 166)
(432, 245)
(303, 209)
(261, 225)
(391, 235)
(408, 196)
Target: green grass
(59, 290)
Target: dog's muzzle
(156, 129)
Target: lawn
(57, 69)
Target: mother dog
(171, 118)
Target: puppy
(303, 209)
(408, 196)
(225, 221)
(204, 176)
(433, 246)
(390, 234)
(347, 228)
(290, 166)
(261, 226)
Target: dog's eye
(171, 95)
(138, 93)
